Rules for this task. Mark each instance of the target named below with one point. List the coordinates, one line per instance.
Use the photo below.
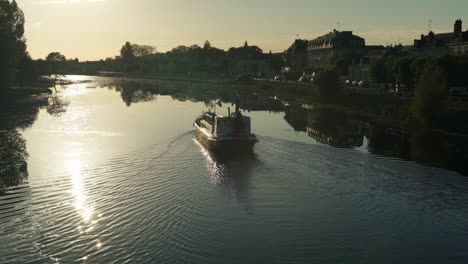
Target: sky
(97, 29)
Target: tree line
(404, 69)
(144, 59)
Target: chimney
(458, 27)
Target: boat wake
(152, 162)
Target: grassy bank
(23, 91)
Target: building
(249, 60)
(325, 50)
(359, 70)
(310, 55)
(433, 44)
(295, 56)
(459, 46)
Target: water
(111, 174)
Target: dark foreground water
(109, 172)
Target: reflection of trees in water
(136, 92)
(254, 102)
(13, 156)
(339, 129)
(15, 114)
(389, 142)
(57, 105)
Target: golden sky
(96, 29)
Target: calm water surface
(109, 172)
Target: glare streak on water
(131, 185)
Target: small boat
(225, 134)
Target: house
(459, 45)
(310, 55)
(295, 56)
(327, 49)
(249, 60)
(359, 70)
(438, 44)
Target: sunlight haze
(96, 29)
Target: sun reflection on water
(80, 203)
(216, 169)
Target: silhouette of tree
(207, 45)
(126, 52)
(56, 63)
(142, 50)
(27, 69)
(329, 84)
(12, 41)
(431, 94)
(379, 71)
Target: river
(108, 171)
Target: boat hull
(224, 144)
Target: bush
(328, 82)
(431, 94)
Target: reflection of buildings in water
(342, 141)
(254, 102)
(328, 127)
(297, 118)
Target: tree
(142, 50)
(12, 41)
(378, 71)
(56, 57)
(207, 45)
(27, 70)
(431, 94)
(126, 52)
(401, 67)
(56, 62)
(328, 82)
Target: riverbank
(387, 109)
(24, 91)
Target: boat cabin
(234, 125)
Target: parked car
(348, 83)
(277, 78)
(354, 83)
(304, 79)
(363, 84)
